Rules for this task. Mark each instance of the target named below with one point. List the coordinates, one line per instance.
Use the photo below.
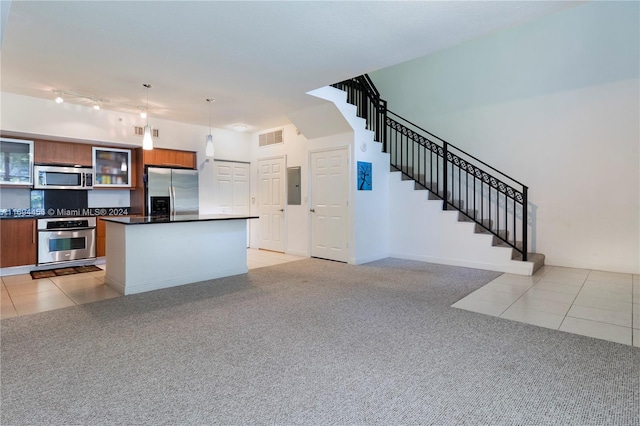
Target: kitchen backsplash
(17, 203)
(14, 198)
(111, 198)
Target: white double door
(329, 207)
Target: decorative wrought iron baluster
(515, 233)
(524, 222)
(444, 176)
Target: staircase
(492, 203)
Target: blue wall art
(364, 176)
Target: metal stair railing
(363, 94)
(496, 202)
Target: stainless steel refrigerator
(171, 191)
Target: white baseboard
(297, 253)
(368, 259)
(25, 269)
(519, 268)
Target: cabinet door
(112, 168)
(18, 242)
(170, 158)
(63, 153)
(185, 159)
(101, 237)
(16, 162)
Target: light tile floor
(22, 295)
(603, 305)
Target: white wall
(44, 118)
(295, 149)
(555, 104)
(369, 214)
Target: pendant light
(147, 140)
(208, 149)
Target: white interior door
(330, 205)
(240, 193)
(223, 186)
(271, 203)
(231, 189)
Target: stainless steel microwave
(59, 177)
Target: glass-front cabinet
(112, 168)
(16, 162)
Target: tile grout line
(10, 298)
(544, 312)
(512, 303)
(64, 292)
(574, 300)
(519, 297)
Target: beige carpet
(310, 342)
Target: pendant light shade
(147, 140)
(208, 148)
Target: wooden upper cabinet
(63, 153)
(170, 158)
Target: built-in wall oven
(66, 239)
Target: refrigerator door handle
(172, 192)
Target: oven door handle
(67, 229)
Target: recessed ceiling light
(239, 127)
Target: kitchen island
(150, 253)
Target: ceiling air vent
(271, 138)
(139, 131)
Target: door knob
(312, 210)
(281, 210)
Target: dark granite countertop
(175, 219)
(28, 213)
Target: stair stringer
(421, 230)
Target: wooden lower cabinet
(101, 240)
(18, 242)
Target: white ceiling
(256, 59)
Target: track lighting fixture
(97, 102)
